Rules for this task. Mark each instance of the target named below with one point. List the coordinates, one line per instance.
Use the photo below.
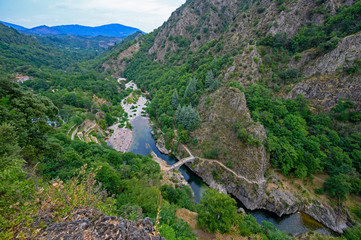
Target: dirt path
(70, 129)
(73, 134)
(225, 167)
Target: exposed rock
(188, 17)
(117, 64)
(347, 51)
(229, 106)
(89, 224)
(245, 180)
(160, 144)
(258, 195)
(325, 91)
(241, 211)
(327, 83)
(292, 18)
(333, 218)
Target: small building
(22, 79)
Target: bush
(319, 191)
(261, 10)
(353, 69)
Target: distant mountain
(109, 30)
(17, 27)
(44, 30)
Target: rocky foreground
(90, 224)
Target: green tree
(188, 117)
(109, 119)
(209, 79)
(217, 211)
(191, 88)
(175, 99)
(338, 186)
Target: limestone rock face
(89, 224)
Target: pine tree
(191, 88)
(175, 98)
(214, 86)
(188, 117)
(209, 79)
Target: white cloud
(140, 6)
(144, 14)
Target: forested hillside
(296, 65)
(50, 181)
(264, 94)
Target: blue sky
(143, 14)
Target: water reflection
(144, 143)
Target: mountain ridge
(107, 30)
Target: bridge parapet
(180, 163)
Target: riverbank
(134, 106)
(274, 197)
(172, 178)
(121, 138)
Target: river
(144, 143)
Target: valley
(233, 119)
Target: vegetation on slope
(300, 142)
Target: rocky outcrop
(89, 224)
(263, 195)
(333, 218)
(219, 111)
(343, 57)
(196, 21)
(325, 91)
(160, 144)
(328, 80)
(116, 64)
(241, 172)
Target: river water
(144, 143)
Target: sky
(146, 15)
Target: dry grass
(188, 216)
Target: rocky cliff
(326, 78)
(240, 167)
